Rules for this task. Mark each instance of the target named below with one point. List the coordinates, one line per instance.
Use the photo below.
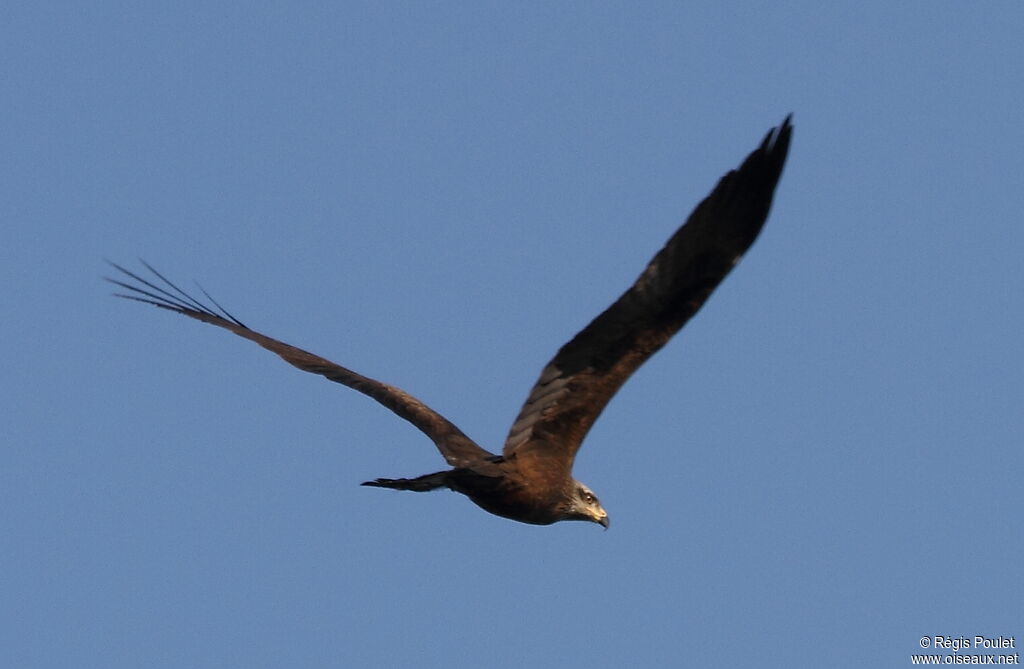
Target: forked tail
(423, 483)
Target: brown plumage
(531, 481)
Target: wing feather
(458, 449)
(586, 372)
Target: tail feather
(423, 483)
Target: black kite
(531, 481)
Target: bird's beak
(603, 521)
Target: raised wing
(576, 385)
(458, 449)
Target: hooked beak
(603, 521)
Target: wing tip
(776, 141)
(146, 291)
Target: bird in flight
(531, 480)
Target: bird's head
(582, 504)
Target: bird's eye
(588, 497)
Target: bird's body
(531, 481)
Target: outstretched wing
(576, 385)
(458, 449)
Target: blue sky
(822, 468)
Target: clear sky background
(822, 468)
